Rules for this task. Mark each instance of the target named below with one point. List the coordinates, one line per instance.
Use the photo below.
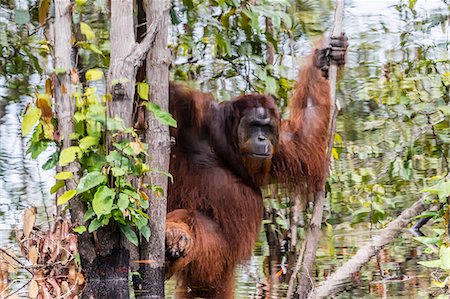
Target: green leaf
(427, 240)
(64, 175)
(87, 142)
(431, 264)
(444, 190)
(87, 30)
(30, 119)
(123, 201)
(115, 124)
(130, 234)
(21, 16)
(132, 194)
(95, 224)
(66, 197)
(144, 203)
(79, 229)
(88, 215)
(162, 116)
(58, 185)
(51, 162)
(145, 232)
(103, 200)
(143, 89)
(80, 2)
(117, 171)
(37, 148)
(444, 254)
(90, 180)
(94, 75)
(68, 155)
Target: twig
(16, 260)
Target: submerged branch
(336, 281)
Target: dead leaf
(48, 86)
(80, 278)
(75, 77)
(11, 259)
(29, 218)
(33, 290)
(72, 273)
(64, 258)
(144, 195)
(135, 147)
(65, 288)
(43, 103)
(33, 255)
(43, 11)
(63, 88)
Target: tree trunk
(158, 139)
(108, 272)
(65, 108)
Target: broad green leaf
(444, 254)
(143, 89)
(79, 229)
(58, 185)
(87, 30)
(103, 200)
(80, 2)
(144, 204)
(115, 124)
(90, 180)
(66, 197)
(64, 175)
(51, 162)
(95, 224)
(445, 110)
(123, 202)
(132, 194)
(68, 155)
(427, 240)
(162, 116)
(30, 119)
(94, 75)
(431, 264)
(87, 142)
(117, 171)
(444, 189)
(145, 232)
(88, 215)
(130, 234)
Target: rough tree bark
(65, 108)
(307, 255)
(158, 139)
(108, 272)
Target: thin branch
(138, 54)
(307, 255)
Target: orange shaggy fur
(215, 206)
